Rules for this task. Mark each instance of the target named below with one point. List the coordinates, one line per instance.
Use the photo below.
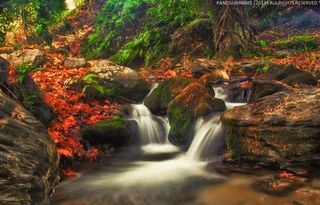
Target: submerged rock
(28, 159)
(281, 129)
(159, 98)
(118, 81)
(194, 101)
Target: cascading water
(209, 134)
(152, 130)
(207, 137)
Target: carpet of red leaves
(70, 109)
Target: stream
(159, 173)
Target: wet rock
(30, 57)
(202, 66)
(75, 62)
(194, 101)
(281, 129)
(28, 159)
(118, 81)
(167, 90)
(115, 132)
(4, 70)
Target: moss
(117, 122)
(302, 42)
(193, 101)
(167, 90)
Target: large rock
(115, 132)
(194, 101)
(75, 62)
(204, 66)
(167, 90)
(28, 158)
(290, 75)
(119, 81)
(4, 70)
(282, 129)
(30, 57)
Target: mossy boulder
(111, 80)
(281, 129)
(167, 90)
(194, 101)
(115, 132)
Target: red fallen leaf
(92, 153)
(69, 173)
(246, 85)
(285, 175)
(65, 152)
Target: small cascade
(152, 129)
(209, 134)
(207, 137)
(220, 93)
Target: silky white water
(152, 129)
(208, 132)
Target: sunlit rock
(28, 158)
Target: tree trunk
(232, 35)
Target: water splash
(208, 137)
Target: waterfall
(208, 134)
(152, 129)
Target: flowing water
(160, 174)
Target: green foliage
(263, 43)
(302, 42)
(116, 122)
(90, 81)
(263, 70)
(138, 29)
(35, 15)
(23, 70)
